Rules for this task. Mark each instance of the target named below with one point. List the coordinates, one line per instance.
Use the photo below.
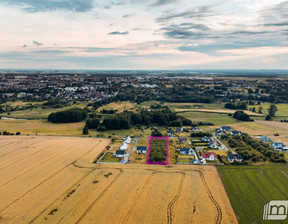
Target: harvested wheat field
(53, 180)
(262, 127)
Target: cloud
(247, 32)
(276, 14)
(164, 2)
(110, 4)
(185, 30)
(34, 6)
(197, 12)
(37, 43)
(127, 15)
(118, 33)
(277, 24)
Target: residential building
(210, 156)
(186, 151)
(119, 153)
(141, 149)
(234, 157)
(226, 128)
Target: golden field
(53, 180)
(262, 127)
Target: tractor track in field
(279, 190)
(138, 197)
(100, 196)
(62, 196)
(217, 206)
(19, 160)
(243, 196)
(34, 167)
(48, 178)
(174, 200)
(253, 186)
(22, 147)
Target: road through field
(53, 180)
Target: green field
(215, 118)
(109, 158)
(250, 187)
(282, 109)
(208, 106)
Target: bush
(241, 116)
(85, 131)
(268, 118)
(18, 133)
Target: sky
(143, 34)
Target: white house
(205, 139)
(119, 153)
(234, 157)
(226, 128)
(186, 151)
(124, 146)
(213, 145)
(236, 132)
(127, 140)
(265, 139)
(279, 146)
(196, 129)
(210, 156)
(141, 149)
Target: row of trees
(68, 116)
(10, 133)
(236, 106)
(252, 149)
(127, 119)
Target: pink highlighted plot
(163, 153)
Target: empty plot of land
(53, 180)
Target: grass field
(41, 127)
(282, 109)
(262, 127)
(250, 187)
(120, 106)
(109, 158)
(53, 180)
(39, 113)
(215, 118)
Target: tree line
(128, 119)
(68, 116)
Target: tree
(85, 131)
(272, 110)
(268, 118)
(156, 133)
(260, 110)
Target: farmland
(249, 188)
(82, 192)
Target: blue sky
(150, 34)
